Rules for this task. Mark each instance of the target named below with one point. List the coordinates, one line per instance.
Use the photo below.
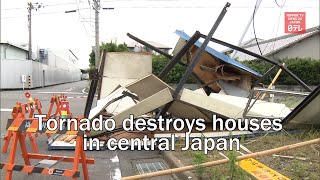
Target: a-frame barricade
(24, 110)
(29, 109)
(21, 125)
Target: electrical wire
(274, 43)
(254, 29)
(54, 12)
(279, 5)
(278, 24)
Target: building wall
(41, 74)
(11, 52)
(54, 70)
(308, 48)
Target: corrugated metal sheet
(219, 55)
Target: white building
(306, 45)
(47, 69)
(137, 47)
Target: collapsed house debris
(127, 88)
(227, 86)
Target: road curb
(174, 162)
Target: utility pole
(30, 8)
(247, 27)
(97, 8)
(97, 48)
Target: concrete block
(122, 68)
(219, 107)
(260, 108)
(109, 84)
(148, 104)
(127, 65)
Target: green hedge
(174, 76)
(307, 70)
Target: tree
(92, 59)
(109, 47)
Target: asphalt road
(108, 164)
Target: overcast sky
(150, 20)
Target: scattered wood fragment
(67, 138)
(291, 157)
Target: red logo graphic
(295, 22)
(50, 171)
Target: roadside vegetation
(109, 47)
(290, 167)
(305, 68)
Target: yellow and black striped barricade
(24, 110)
(22, 125)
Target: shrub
(174, 76)
(308, 70)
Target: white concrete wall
(122, 68)
(41, 74)
(308, 48)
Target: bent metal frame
(185, 51)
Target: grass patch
(292, 168)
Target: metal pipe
(263, 58)
(200, 50)
(224, 161)
(91, 93)
(153, 47)
(264, 76)
(179, 55)
(273, 81)
(149, 46)
(194, 61)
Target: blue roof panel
(219, 55)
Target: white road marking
(115, 159)
(117, 174)
(59, 93)
(84, 91)
(6, 110)
(70, 89)
(75, 97)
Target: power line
(46, 5)
(279, 5)
(54, 12)
(274, 43)
(176, 7)
(254, 29)
(8, 9)
(80, 19)
(278, 24)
